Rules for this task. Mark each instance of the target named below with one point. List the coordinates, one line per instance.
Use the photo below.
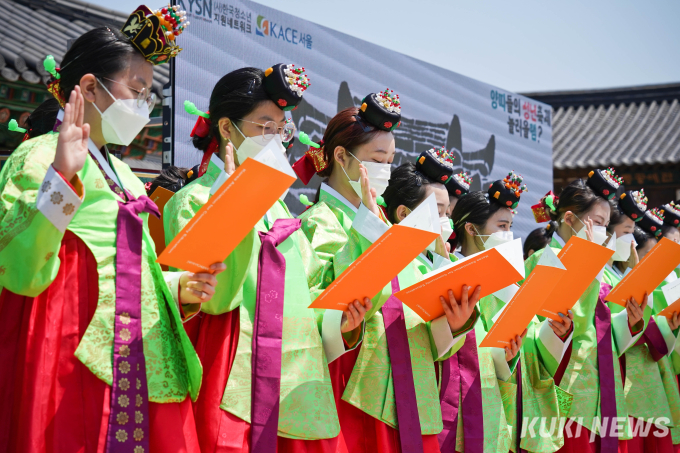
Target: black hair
(406, 187)
(474, 208)
(537, 240)
(576, 197)
(616, 216)
(234, 96)
(171, 178)
(641, 237)
(42, 119)
(667, 229)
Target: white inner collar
(334, 193)
(103, 162)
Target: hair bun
(459, 184)
(671, 212)
(652, 222)
(436, 164)
(382, 110)
(285, 84)
(605, 183)
(633, 204)
(507, 191)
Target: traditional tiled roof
(617, 127)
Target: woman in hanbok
(94, 354)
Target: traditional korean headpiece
(652, 222)
(436, 164)
(153, 33)
(542, 209)
(671, 213)
(507, 191)
(459, 184)
(633, 204)
(605, 183)
(284, 83)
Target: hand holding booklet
(518, 313)
(384, 259)
(242, 200)
(491, 269)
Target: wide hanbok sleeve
(36, 207)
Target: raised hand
(200, 287)
(588, 225)
(633, 259)
(457, 314)
(354, 315)
(73, 137)
(440, 247)
(674, 321)
(635, 310)
(562, 327)
(368, 194)
(229, 163)
(515, 345)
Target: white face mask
(252, 146)
(122, 120)
(378, 177)
(495, 239)
(623, 243)
(599, 232)
(447, 231)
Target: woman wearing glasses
(100, 360)
(262, 388)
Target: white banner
(489, 130)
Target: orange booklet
(160, 196)
(517, 314)
(671, 292)
(583, 260)
(492, 269)
(648, 274)
(384, 259)
(222, 223)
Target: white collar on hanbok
(334, 193)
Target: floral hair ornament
(459, 184)
(285, 84)
(605, 183)
(312, 161)
(153, 33)
(652, 222)
(54, 84)
(202, 129)
(436, 164)
(540, 210)
(507, 191)
(671, 212)
(633, 204)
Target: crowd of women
(104, 351)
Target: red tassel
(202, 127)
(212, 147)
(304, 168)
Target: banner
(490, 131)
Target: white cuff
(57, 201)
(667, 333)
(503, 371)
(622, 336)
(443, 337)
(553, 344)
(368, 224)
(331, 336)
(221, 178)
(439, 261)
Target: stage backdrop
(489, 130)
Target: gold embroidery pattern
(124, 367)
(138, 449)
(124, 384)
(139, 384)
(124, 351)
(68, 209)
(139, 417)
(56, 198)
(46, 186)
(123, 400)
(125, 318)
(121, 435)
(138, 434)
(2, 270)
(48, 256)
(99, 184)
(125, 335)
(122, 418)
(138, 400)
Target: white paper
(550, 259)
(512, 251)
(272, 157)
(671, 291)
(425, 217)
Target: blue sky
(521, 46)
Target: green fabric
(307, 408)
(581, 379)
(172, 367)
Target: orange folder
(671, 292)
(648, 274)
(376, 267)
(160, 196)
(528, 299)
(583, 260)
(492, 269)
(222, 223)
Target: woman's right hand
(229, 164)
(633, 259)
(73, 137)
(442, 248)
(368, 194)
(458, 314)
